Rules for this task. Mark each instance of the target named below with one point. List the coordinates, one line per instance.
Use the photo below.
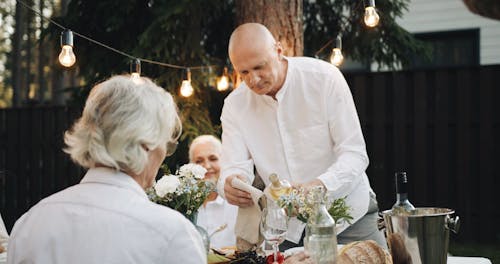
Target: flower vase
(203, 233)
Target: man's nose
(253, 78)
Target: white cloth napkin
(248, 219)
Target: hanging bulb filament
(186, 88)
(67, 58)
(135, 68)
(371, 17)
(337, 58)
(223, 82)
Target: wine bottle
(320, 240)
(278, 187)
(402, 205)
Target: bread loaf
(366, 252)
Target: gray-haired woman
(127, 128)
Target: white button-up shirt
(310, 131)
(215, 214)
(107, 218)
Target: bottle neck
(402, 197)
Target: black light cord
(111, 48)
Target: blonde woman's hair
(216, 143)
(123, 118)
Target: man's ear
(279, 49)
(278, 46)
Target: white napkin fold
(248, 219)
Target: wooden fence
(440, 126)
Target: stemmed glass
(273, 226)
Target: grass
(469, 249)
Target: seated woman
(205, 150)
(122, 139)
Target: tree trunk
(16, 55)
(41, 59)
(282, 17)
(28, 87)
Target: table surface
(451, 259)
(467, 260)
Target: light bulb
(336, 58)
(67, 58)
(135, 68)
(371, 16)
(186, 88)
(223, 83)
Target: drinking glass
(273, 226)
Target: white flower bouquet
(185, 191)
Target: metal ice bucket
(421, 237)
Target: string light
(371, 16)
(223, 82)
(186, 88)
(135, 68)
(67, 57)
(337, 58)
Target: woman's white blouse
(215, 214)
(107, 218)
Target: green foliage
(340, 211)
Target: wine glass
(273, 226)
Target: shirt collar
(281, 92)
(110, 176)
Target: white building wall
(426, 16)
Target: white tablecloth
(451, 259)
(468, 260)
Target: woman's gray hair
(205, 139)
(123, 118)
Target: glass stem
(275, 253)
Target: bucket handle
(453, 224)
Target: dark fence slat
(463, 141)
(36, 161)
(440, 171)
(486, 170)
(419, 177)
(399, 107)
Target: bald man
(294, 117)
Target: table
(467, 260)
(451, 259)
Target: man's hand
(297, 258)
(309, 185)
(236, 196)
